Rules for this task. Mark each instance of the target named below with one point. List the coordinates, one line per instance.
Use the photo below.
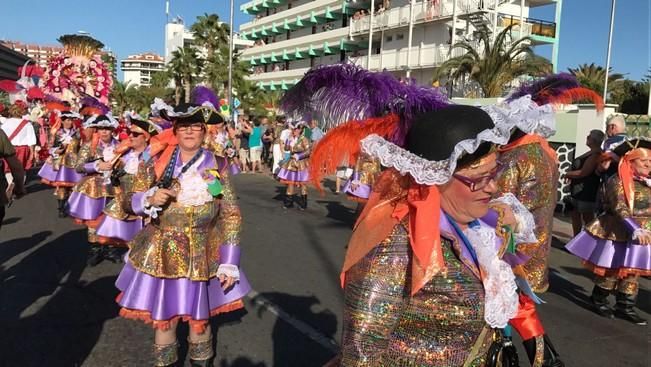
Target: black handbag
(502, 352)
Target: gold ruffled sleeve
(143, 180)
(230, 218)
(83, 157)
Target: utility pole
(610, 42)
(230, 67)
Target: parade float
(78, 71)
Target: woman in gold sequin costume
(117, 226)
(616, 246)
(294, 169)
(184, 265)
(59, 168)
(359, 186)
(95, 159)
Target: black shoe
(288, 202)
(114, 255)
(302, 202)
(62, 209)
(550, 356)
(624, 309)
(95, 255)
(204, 363)
(599, 300)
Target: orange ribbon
(532, 139)
(626, 173)
(163, 144)
(422, 204)
(526, 322)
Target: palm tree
(185, 66)
(210, 33)
(120, 95)
(494, 65)
(593, 76)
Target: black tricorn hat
(146, 126)
(191, 113)
(435, 134)
(631, 144)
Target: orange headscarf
(626, 172)
(164, 144)
(531, 139)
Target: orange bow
(163, 144)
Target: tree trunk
(177, 93)
(188, 89)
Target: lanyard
(464, 239)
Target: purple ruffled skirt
(48, 173)
(67, 174)
(610, 254)
(294, 176)
(362, 191)
(234, 169)
(83, 207)
(166, 298)
(124, 230)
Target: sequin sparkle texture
(532, 176)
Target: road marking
(305, 329)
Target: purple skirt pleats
(124, 230)
(66, 174)
(610, 254)
(83, 207)
(166, 298)
(294, 176)
(362, 191)
(47, 172)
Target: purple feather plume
(543, 90)
(201, 94)
(345, 92)
(89, 101)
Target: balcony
(258, 6)
(278, 79)
(421, 57)
(317, 11)
(323, 40)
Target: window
(399, 36)
(389, 38)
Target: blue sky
(134, 26)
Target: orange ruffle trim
(57, 183)
(356, 199)
(198, 326)
(93, 223)
(619, 273)
(116, 242)
(293, 182)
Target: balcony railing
(277, 76)
(535, 27)
(421, 57)
(334, 35)
(291, 14)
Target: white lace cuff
(524, 233)
(229, 270)
(151, 211)
(640, 231)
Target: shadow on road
(11, 220)
(339, 212)
(241, 362)
(50, 317)
(563, 287)
(291, 348)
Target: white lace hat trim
(426, 172)
(524, 114)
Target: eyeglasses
(197, 126)
(478, 183)
(135, 134)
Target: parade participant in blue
(184, 265)
(117, 227)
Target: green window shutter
(273, 57)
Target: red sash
(18, 129)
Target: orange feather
(579, 94)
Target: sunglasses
(135, 134)
(197, 126)
(478, 183)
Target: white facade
(409, 39)
(139, 69)
(177, 36)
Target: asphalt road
(55, 311)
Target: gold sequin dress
(606, 245)
(295, 169)
(359, 186)
(532, 176)
(174, 261)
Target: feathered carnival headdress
(352, 103)
(92, 106)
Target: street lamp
(230, 66)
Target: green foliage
(631, 96)
(593, 77)
(494, 65)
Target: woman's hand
(161, 197)
(226, 281)
(644, 238)
(508, 218)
